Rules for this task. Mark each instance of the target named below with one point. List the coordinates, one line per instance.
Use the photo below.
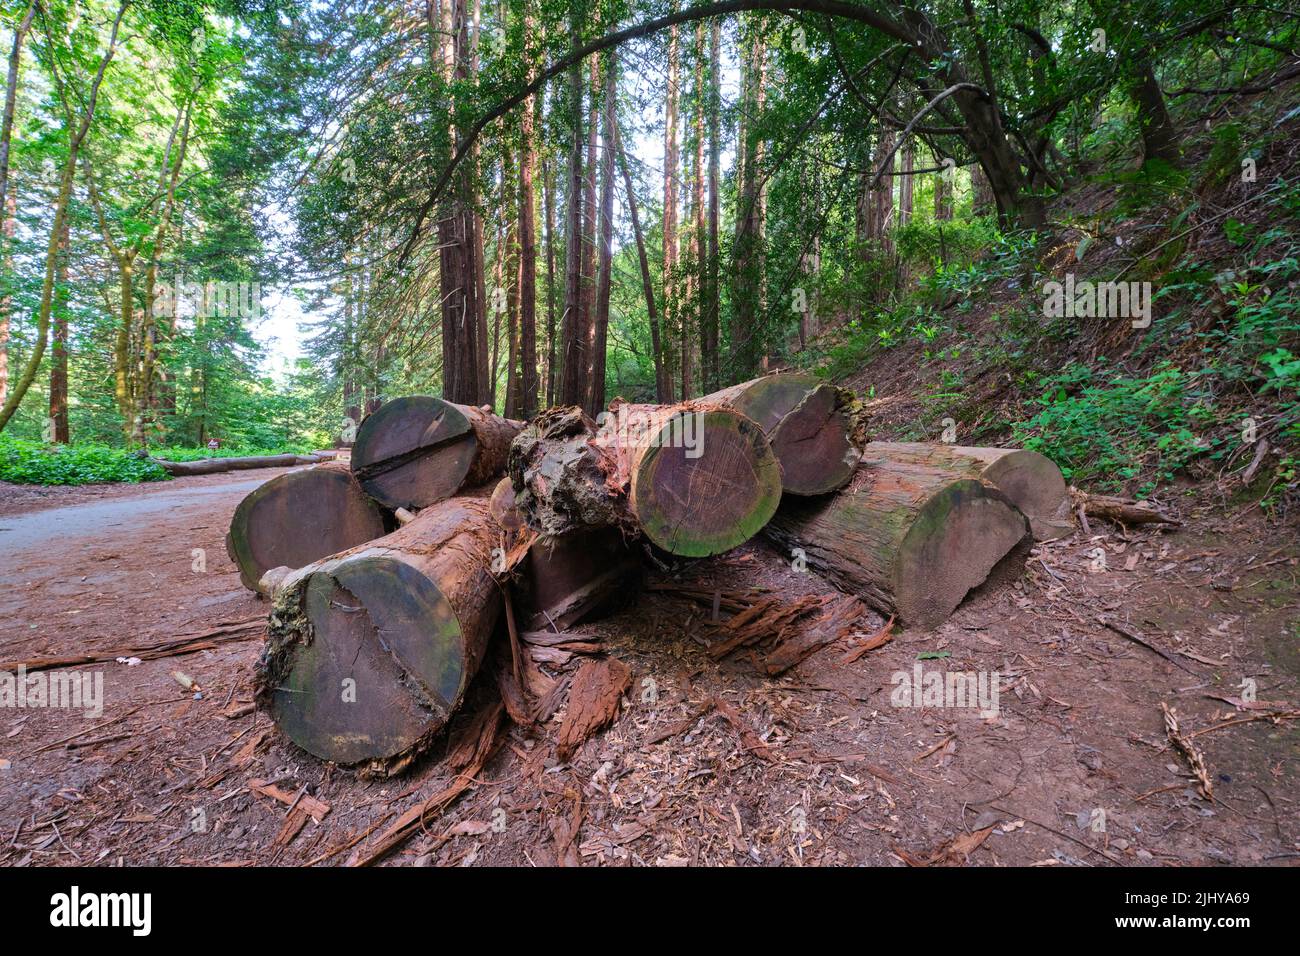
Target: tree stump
(816, 430)
(370, 651)
(1031, 481)
(419, 450)
(911, 541)
(695, 479)
(297, 518)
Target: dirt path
(1075, 768)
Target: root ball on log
(909, 540)
(696, 479)
(419, 450)
(370, 651)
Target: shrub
(32, 463)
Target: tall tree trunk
(527, 256)
(906, 186)
(942, 196)
(747, 280)
(590, 214)
(672, 308)
(11, 99)
(548, 199)
(605, 269)
(7, 200)
(464, 350)
(573, 344)
(7, 302)
(712, 311)
(882, 211)
(75, 138)
(486, 384)
(662, 387)
(699, 228)
(59, 349)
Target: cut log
(1031, 481)
(570, 578)
(370, 651)
(695, 479)
(212, 466)
(816, 430)
(298, 518)
(910, 541)
(419, 450)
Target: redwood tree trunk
(527, 266)
(59, 349)
(605, 270)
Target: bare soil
(1076, 768)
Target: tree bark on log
(567, 579)
(418, 450)
(1031, 481)
(370, 651)
(911, 541)
(816, 430)
(298, 518)
(212, 466)
(696, 479)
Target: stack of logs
(389, 575)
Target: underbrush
(33, 463)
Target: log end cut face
(372, 666)
(768, 400)
(1034, 484)
(965, 535)
(298, 518)
(708, 482)
(414, 452)
(814, 445)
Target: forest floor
(708, 761)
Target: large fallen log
(911, 541)
(567, 579)
(695, 479)
(816, 430)
(298, 518)
(212, 466)
(1031, 481)
(418, 450)
(369, 652)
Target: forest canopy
(526, 203)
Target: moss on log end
(370, 651)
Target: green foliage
(31, 463)
(1108, 429)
